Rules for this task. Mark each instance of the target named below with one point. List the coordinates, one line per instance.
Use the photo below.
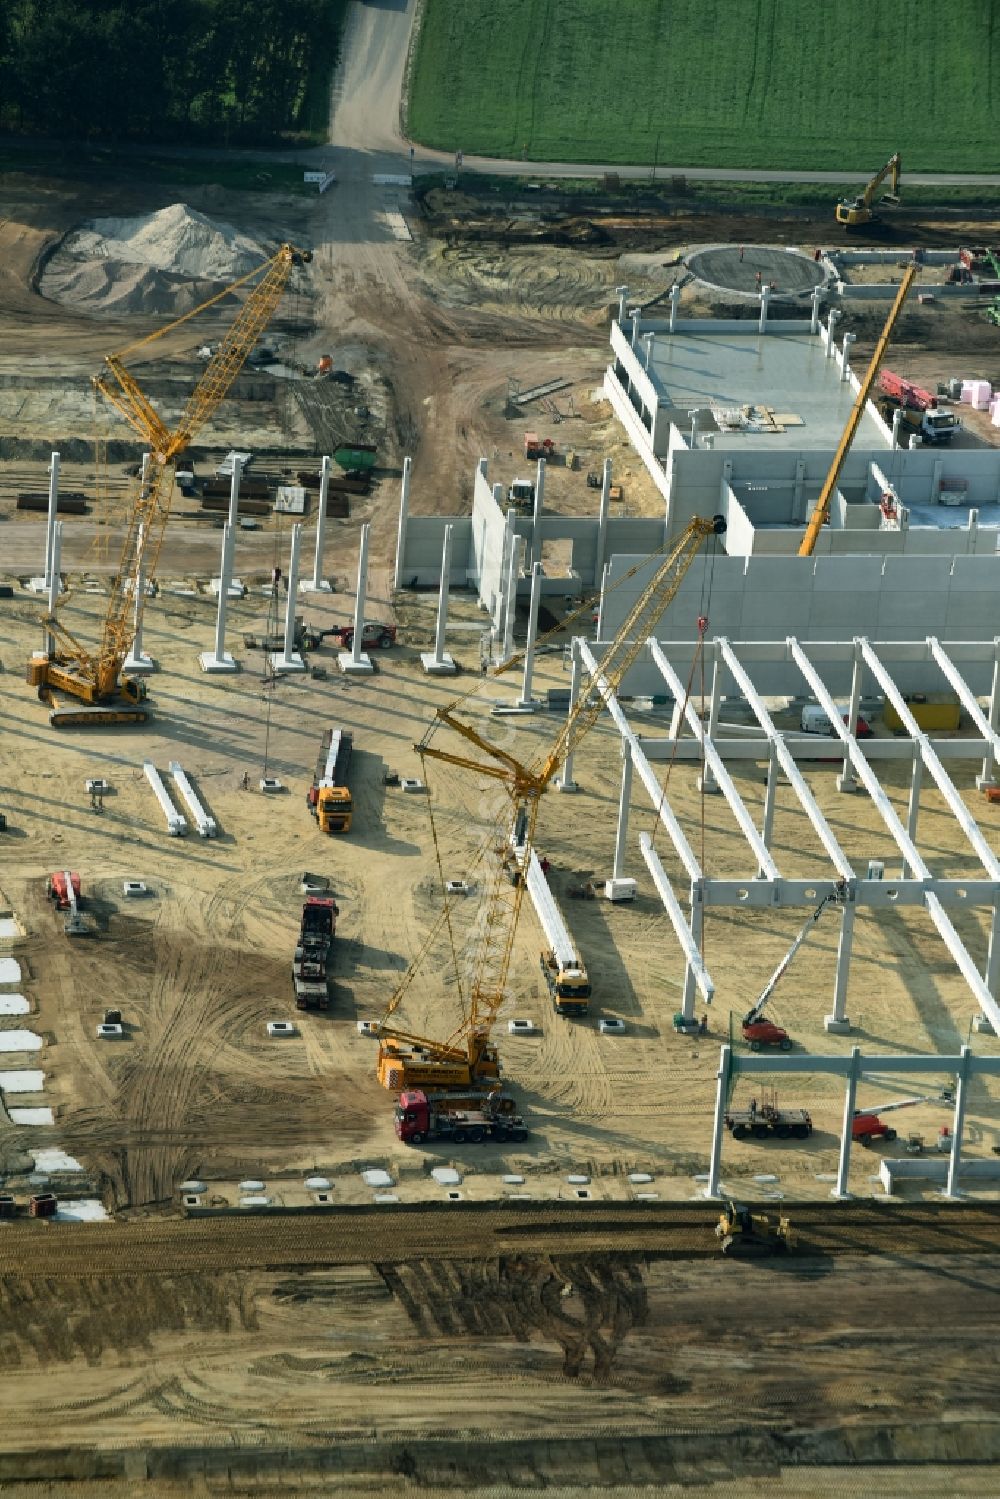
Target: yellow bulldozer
(741, 1232)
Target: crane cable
(446, 907)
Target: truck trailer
(562, 967)
(421, 1118)
(329, 798)
(311, 960)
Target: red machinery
(759, 1032)
(64, 889)
(866, 1125)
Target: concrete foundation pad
(707, 786)
(565, 785)
(37, 585)
(140, 665)
(213, 663)
(619, 890)
(846, 783)
(236, 588)
(444, 668)
(308, 586)
(282, 665)
(983, 1025)
(835, 1027)
(360, 668)
(529, 704)
(983, 783)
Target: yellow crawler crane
(468, 1058)
(94, 676)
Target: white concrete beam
(672, 906)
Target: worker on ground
(756, 277)
(545, 867)
(245, 783)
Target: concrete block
(835, 1027)
(360, 668)
(983, 1025)
(210, 662)
(433, 667)
(306, 585)
(620, 890)
(282, 665)
(139, 666)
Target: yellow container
(935, 713)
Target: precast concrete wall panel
(914, 591)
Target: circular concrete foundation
(743, 269)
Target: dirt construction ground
(486, 1334)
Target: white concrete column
(566, 781)
(765, 297)
(219, 660)
(958, 1127)
(317, 583)
(838, 1022)
(621, 292)
(706, 782)
(897, 421)
(992, 974)
(526, 700)
(845, 367)
(438, 662)
(913, 806)
(634, 313)
(694, 429)
(842, 1190)
(602, 521)
(226, 567)
(675, 298)
(817, 293)
(536, 516)
(648, 340)
(770, 794)
(355, 661)
(845, 780)
(50, 526)
(831, 323)
(986, 777)
(719, 1124)
(290, 659)
(697, 922)
(404, 511)
(55, 558)
(620, 887)
(137, 661)
(605, 584)
(513, 573)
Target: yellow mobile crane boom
(854, 213)
(822, 508)
(95, 676)
(468, 1057)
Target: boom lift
(822, 509)
(94, 676)
(854, 213)
(468, 1058)
(759, 1032)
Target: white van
(815, 720)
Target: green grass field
(743, 83)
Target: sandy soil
(261, 1360)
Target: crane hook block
(719, 524)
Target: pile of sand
(164, 262)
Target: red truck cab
(765, 1033)
(868, 1127)
(413, 1117)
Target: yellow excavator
(468, 1059)
(94, 676)
(854, 213)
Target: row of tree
(199, 70)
